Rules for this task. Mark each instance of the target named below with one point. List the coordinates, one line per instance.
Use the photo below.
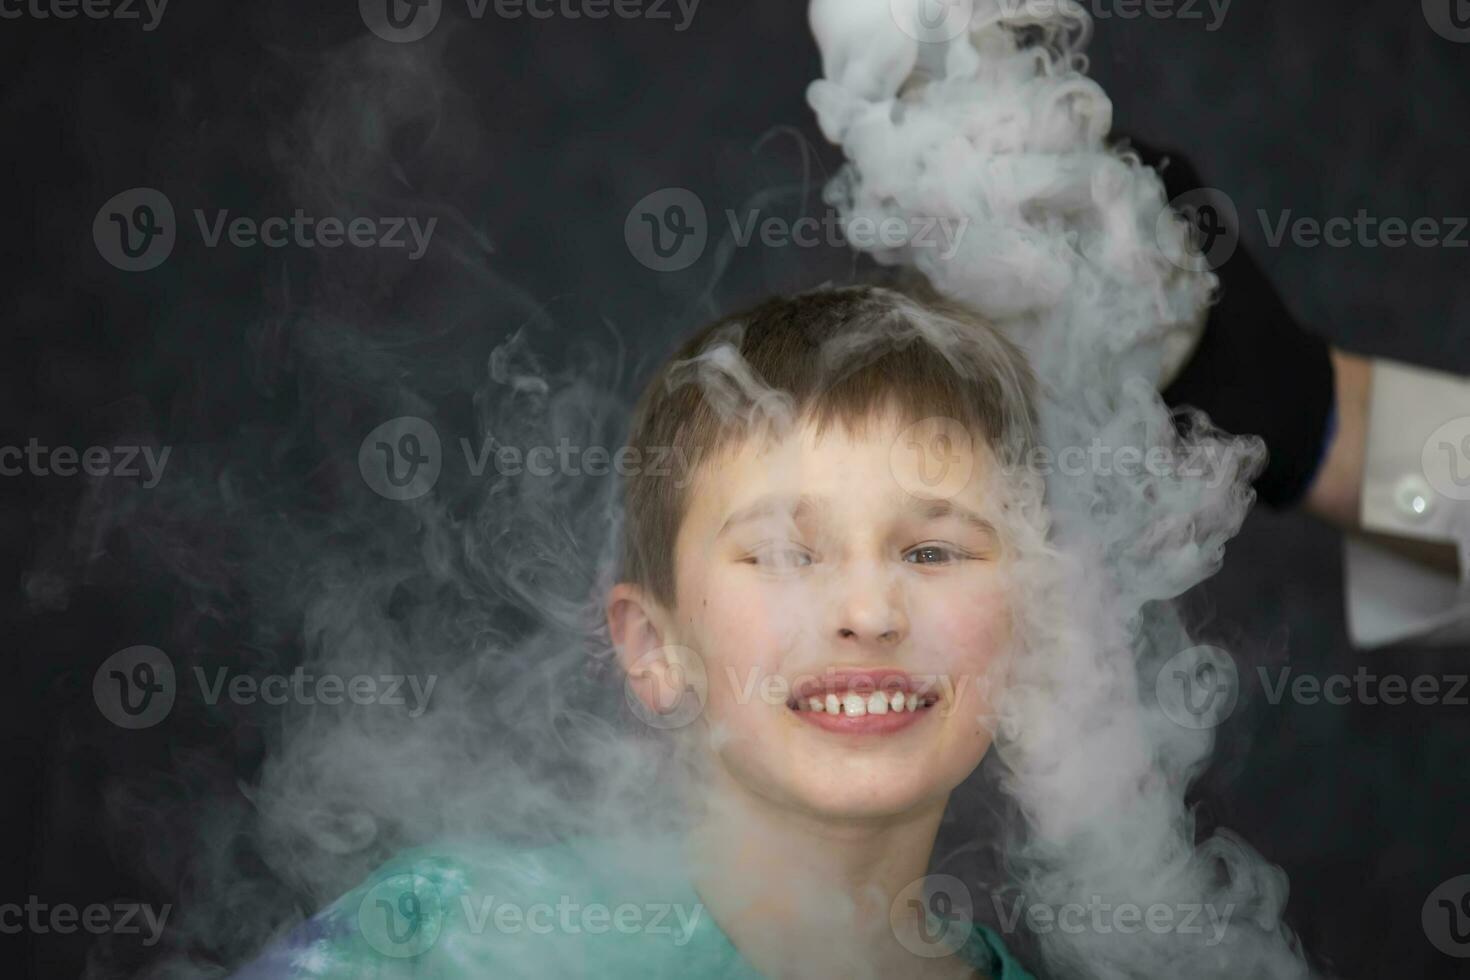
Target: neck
(804, 896)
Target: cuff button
(1414, 497)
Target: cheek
(969, 631)
(742, 630)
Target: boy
(816, 627)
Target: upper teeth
(855, 705)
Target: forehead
(930, 468)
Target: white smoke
(984, 113)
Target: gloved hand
(1255, 370)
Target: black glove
(1256, 370)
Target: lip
(863, 724)
(865, 682)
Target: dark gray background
(547, 133)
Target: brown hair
(830, 355)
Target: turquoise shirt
(470, 911)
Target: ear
(637, 623)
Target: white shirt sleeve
(1416, 485)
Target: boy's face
(842, 573)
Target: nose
(870, 609)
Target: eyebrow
(928, 509)
(769, 506)
(937, 508)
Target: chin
(872, 798)
(862, 810)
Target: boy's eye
(779, 556)
(931, 554)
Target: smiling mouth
(863, 702)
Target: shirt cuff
(1416, 485)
